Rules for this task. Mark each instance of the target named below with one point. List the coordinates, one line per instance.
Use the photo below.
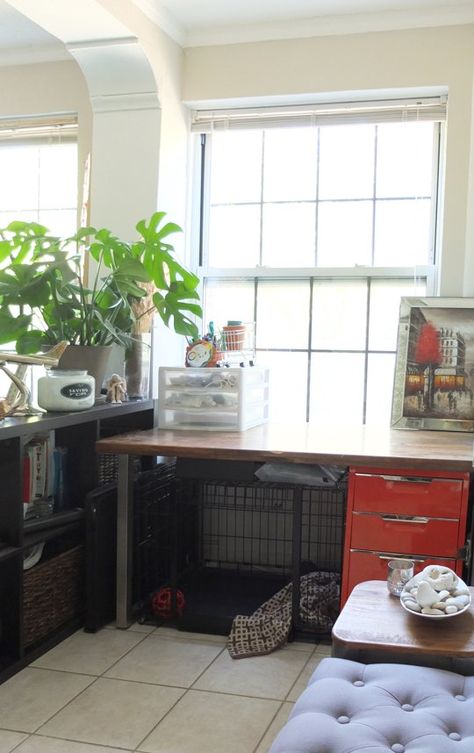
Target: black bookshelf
(78, 433)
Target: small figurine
(202, 353)
(116, 389)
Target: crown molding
(164, 19)
(54, 53)
(355, 23)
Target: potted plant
(44, 299)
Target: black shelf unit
(78, 432)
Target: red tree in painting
(428, 354)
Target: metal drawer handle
(406, 519)
(401, 557)
(408, 479)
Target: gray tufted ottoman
(350, 707)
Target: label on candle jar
(76, 391)
(64, 390)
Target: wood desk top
(372, 619)
(306, 443)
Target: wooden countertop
(306, 443)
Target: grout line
(16, 747)
(186, 690)
(268, 727)
(145, 636)
(81, 742)
(58, 711)
(94, 680)
(179, 699)
(310, 657)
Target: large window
(38, 181)
(38, 169)
(313, 225)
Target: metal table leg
(124, 540)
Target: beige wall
(410, 59)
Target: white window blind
(432, 109)
(39, 130)
(38, 164)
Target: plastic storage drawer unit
(218, 399)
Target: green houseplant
(44, 299)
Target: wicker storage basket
(53, 593)
(107, 468)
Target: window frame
(427, 272)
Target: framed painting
(434, 369)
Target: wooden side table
(374, 627)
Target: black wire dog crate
(220, 548)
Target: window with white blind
(314, 221)
(39, 173)
(38, 180)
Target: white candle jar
(66, 390)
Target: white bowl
(417, 579)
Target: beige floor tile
(89, 653)
(262, 676)
(273, 730)
(9, 740)
(170, 632)
(36, 744)
(304, 677)
(323, 649)
(32, 696)
(166, 661)
(308, 648)
(113, 712)
(213, 723)
(136, 627)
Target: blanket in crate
(268, 628)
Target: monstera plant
(44, 298)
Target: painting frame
(434, 367)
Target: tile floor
(156, 690)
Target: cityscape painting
(434, 373)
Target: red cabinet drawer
(408, 495)
(373, 566)
(420, 535)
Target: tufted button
(398, 748)
(343, 719)
(358, 683)
(454, 736)
(407, 707)
(460, 697)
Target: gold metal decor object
(18, 401)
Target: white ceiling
(22, 41)
(198, 22)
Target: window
(38, 168)
(313, 225)
(39, 175)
